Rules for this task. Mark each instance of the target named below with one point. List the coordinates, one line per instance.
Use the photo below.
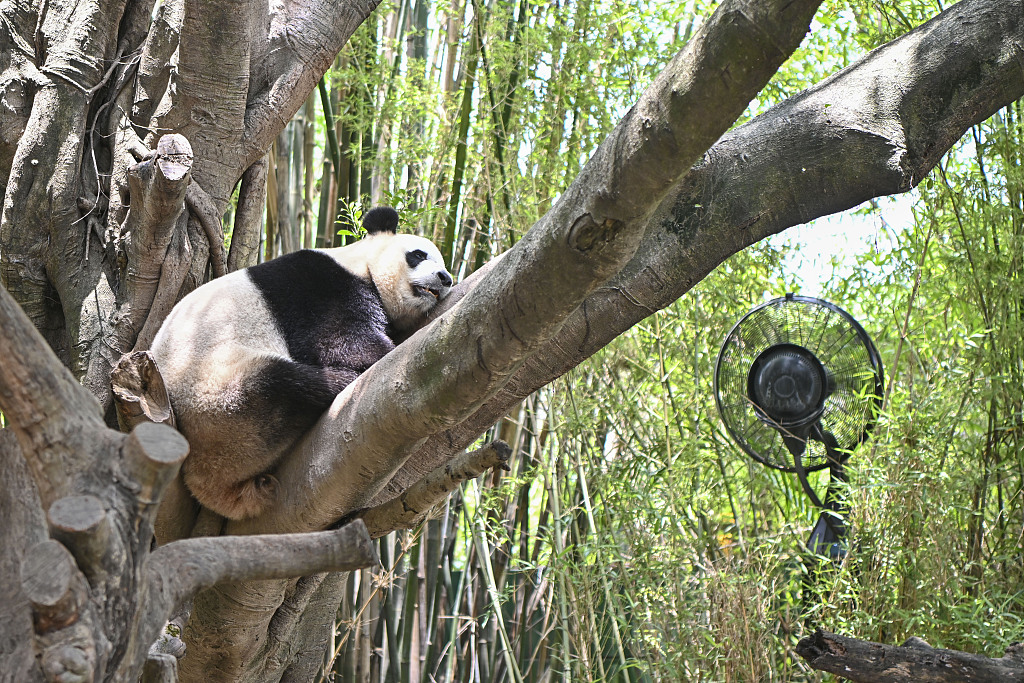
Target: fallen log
(915, 661)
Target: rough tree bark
(85, 90)
(915, 661)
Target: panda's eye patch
(416, 257)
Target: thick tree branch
(915, 661)
(305, 37)
(592, 231)
(57, 421)
(212, 84)
(180, 569)
(722, 67)
(133, 114)
(157, 62)
(875, 128)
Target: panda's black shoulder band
(380, 219)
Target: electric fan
(798, 383)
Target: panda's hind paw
(252, 498)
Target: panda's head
(407, 270)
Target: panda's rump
(239, 434)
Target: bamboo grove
(631, 541)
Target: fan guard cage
(837, 341)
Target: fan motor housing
(798, 374)
(788, 385)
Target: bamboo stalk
(495, 597)
(462, 146)
(332, 135)
(272, 208)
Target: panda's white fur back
(213, 353)
(253, 358)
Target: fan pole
(829, 532)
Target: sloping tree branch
(873, 129)
(186, 566)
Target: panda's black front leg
(293, 395)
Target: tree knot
(587, 234)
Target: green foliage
(632, 541)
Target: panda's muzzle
(426, 291)
(438, 291)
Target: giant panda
(252, 359)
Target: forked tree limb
(585, 239)
(175, 572)
(862, 661)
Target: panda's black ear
(380, 219)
